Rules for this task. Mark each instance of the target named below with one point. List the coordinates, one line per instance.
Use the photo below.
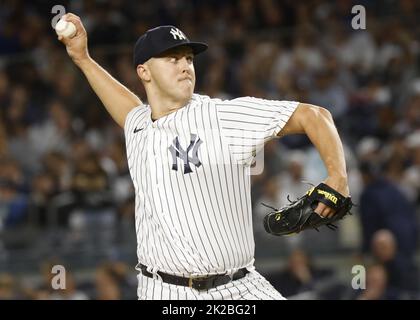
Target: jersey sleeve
(134, 119)
(247, 123)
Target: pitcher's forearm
(317, 123)
(117, 99)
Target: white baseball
(65, 28)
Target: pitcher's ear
(143, 72)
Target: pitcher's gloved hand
(300, 214)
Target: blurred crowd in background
(65, 189)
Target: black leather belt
(198, 283)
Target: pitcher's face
(173, 74)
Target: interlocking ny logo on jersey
(178, 152)
(176, 33)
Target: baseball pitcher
(189, 157)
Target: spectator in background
(299, 275)
(269, 196)
(70, 292)
(8, 288)
(113, 161)
(384, 206)
(401, 271)
(59, 167)
(376, 285)
(13, 205)
(112, 282)
(54, 134)
(274, 151)
(411, 175)
(329, 93)
(43, 189)
(409, 121)
(106, 286)
(43, 290)
(10, 170)
(90, 184)
(16, 122)
(292, 179)
(397, 157)
(3, 140)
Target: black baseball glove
(300, 214)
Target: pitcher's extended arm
(117, 99)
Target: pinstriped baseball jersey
(190, 171)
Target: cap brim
(197, 47)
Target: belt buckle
(192, 279)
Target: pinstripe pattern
(199, 222)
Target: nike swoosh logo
(137, 130)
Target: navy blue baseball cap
(157, 40)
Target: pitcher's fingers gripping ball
(71, 32)
(65, 28)
(301, 215)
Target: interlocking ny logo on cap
(176, 33)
